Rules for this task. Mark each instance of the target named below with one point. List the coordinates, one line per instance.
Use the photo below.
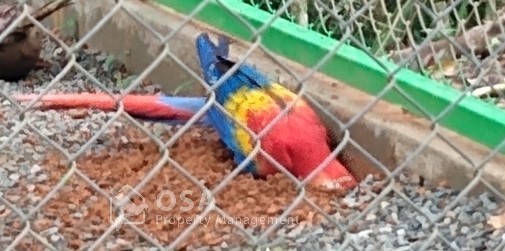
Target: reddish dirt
(129, 163)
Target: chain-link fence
(453, 40)
(107, 179)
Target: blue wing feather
(225, 129)
(210, 55)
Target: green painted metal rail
(472, 117)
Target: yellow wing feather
(246, 100)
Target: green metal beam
(472, 117)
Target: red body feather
(298, 141)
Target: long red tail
(144, 106)
(68, 101)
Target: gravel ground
(77, 215)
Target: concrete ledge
(386, 132)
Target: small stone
(451, 214)
(371, 217)
(414, 224)
(386, 229)
(464, 218)
(158, 129)
(318, 231)
(11, 168)
(77, 113)
(42, 177)
(41, 149)
(55, 238)
(422, 220)
(447, 221)
(296, 231)
(281, 232)
(58, 52)
(405, 248)
(301, 240)
(478, 216)
(14, 198)
(392, 218)
(111, 245)
(123, 242)
(5, 239)
(124, 139)
(385, 204)
(401, 232)
(224, 245)
(365, 198)
(364, 234)
(465, 230)
(382, 238)
(35, 169)
(350, 202)
(453, 229)
(50, 231)
(35, 199)
(88, 236)
(14, 176)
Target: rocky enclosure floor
(77, 215)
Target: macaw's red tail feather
(143, 106)
(68, 101)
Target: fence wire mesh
(62, 170)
